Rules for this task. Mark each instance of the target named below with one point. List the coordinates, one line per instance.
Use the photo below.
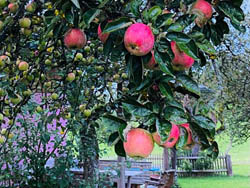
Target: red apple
(152, 64)
(173, 136)
(102, 36)
(181, 60)
(190, 142)
(75, 39)
(139, 143)
(139, 39)
(203, 10)
(23, 66)
(13, 7)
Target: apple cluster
(140, 143)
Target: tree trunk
(89, 154)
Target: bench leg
(129, 182)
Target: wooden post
(229, 165)
(165, 159)
(121, 179)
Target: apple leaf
(113, 138)
(204, 122)
(119, 149)
(189, 84)
(90, 15)
(76, 3)
(117, 24)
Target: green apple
(11, 135)
(16, 100)
(87, 113)
(25, 22)
(39, 109)
(3, 131)
(124, 76)
(2, 139)
(27, 93)
(78, 57)
(54, 96)
(82, 107)
(1, 117)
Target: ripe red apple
(139, 143)
(157, 139)
(31, 7)
(173, 136)
(139, 39)
(102, 36)
(203, 10)
(152, 64)
(75, 39)
(190, 142)
(25, 22)
(13, 7)
(23, 66)
(181, 60)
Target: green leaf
(154, 12)
(162, 64)
(163, 128)
(202, 42)
(178, 37)
(135, 7)
(175, 27)
(185, 20)
(204, 122)
(174, 114)
(164, 20)
(166, 90)
(119, 149)
(190, 49)
(136, 109)
(90, 15)
(112, 123)
(189, 84)
(76, 3)
(117, 24)
(113, 139)
(213, 150)
(235, 14)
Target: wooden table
(128, 173)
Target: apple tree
(125, 66)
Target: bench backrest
(109, 164)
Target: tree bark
(89, 154)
